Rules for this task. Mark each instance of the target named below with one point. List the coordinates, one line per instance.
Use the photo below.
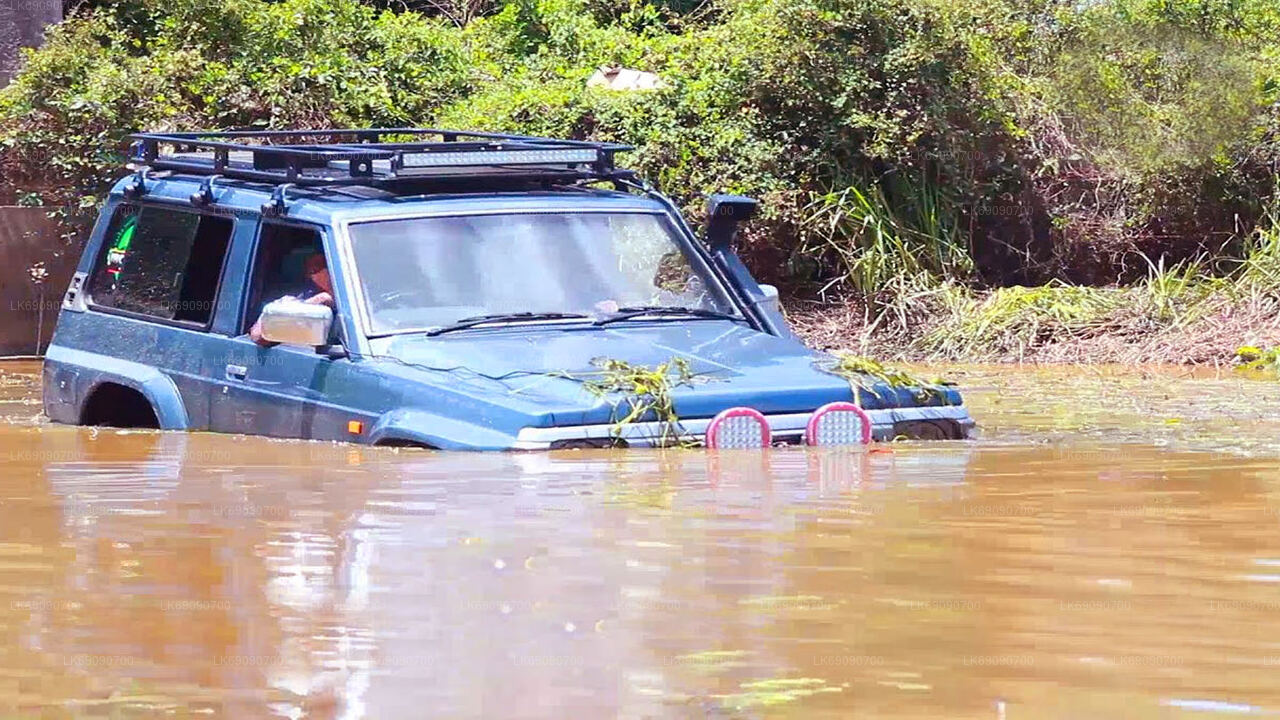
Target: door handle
(236, 372)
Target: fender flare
(441, 433)
(96, 370)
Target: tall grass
(1173, 295)
(894, 228)
(1259, 271)
(1180, 312)
(1012, 322)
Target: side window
(289, 260)
(162, 263)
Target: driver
(320, 292)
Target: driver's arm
(255, 334)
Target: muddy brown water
(1110, 547)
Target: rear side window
(161, 263)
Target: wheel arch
(407, 426)
(115, 404)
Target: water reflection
(155, 574)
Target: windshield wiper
(469, 322)
(633, 311)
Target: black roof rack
(378, 157)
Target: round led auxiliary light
(838, 423)
(740, 427)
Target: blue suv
(440, 289)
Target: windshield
(423, 273)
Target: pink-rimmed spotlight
(739, 427)
(838, 423)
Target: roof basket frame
(363, 158)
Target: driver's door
(276, 390)
(270, 390)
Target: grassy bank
(1189, 313)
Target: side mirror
(294, 322)
(724, 212)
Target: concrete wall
(22, 24)
(29, 239)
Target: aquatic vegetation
(711, 662)
(1252, 358)
(788, 602)
(775, 691)
(712, 656)
(864, 374)
(639, 392)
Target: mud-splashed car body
(475, 286)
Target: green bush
(1153, 123)
(799, 102)
(159, 64)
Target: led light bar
(739, 427)
(498, 157)
(838, 423)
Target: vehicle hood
(735, 365)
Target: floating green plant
(712, 657)
(640, 391)
(713, 662)
(1252, 358)
(787, 602)
(775, 691)
(863, 373)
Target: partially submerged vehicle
(480, 286)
